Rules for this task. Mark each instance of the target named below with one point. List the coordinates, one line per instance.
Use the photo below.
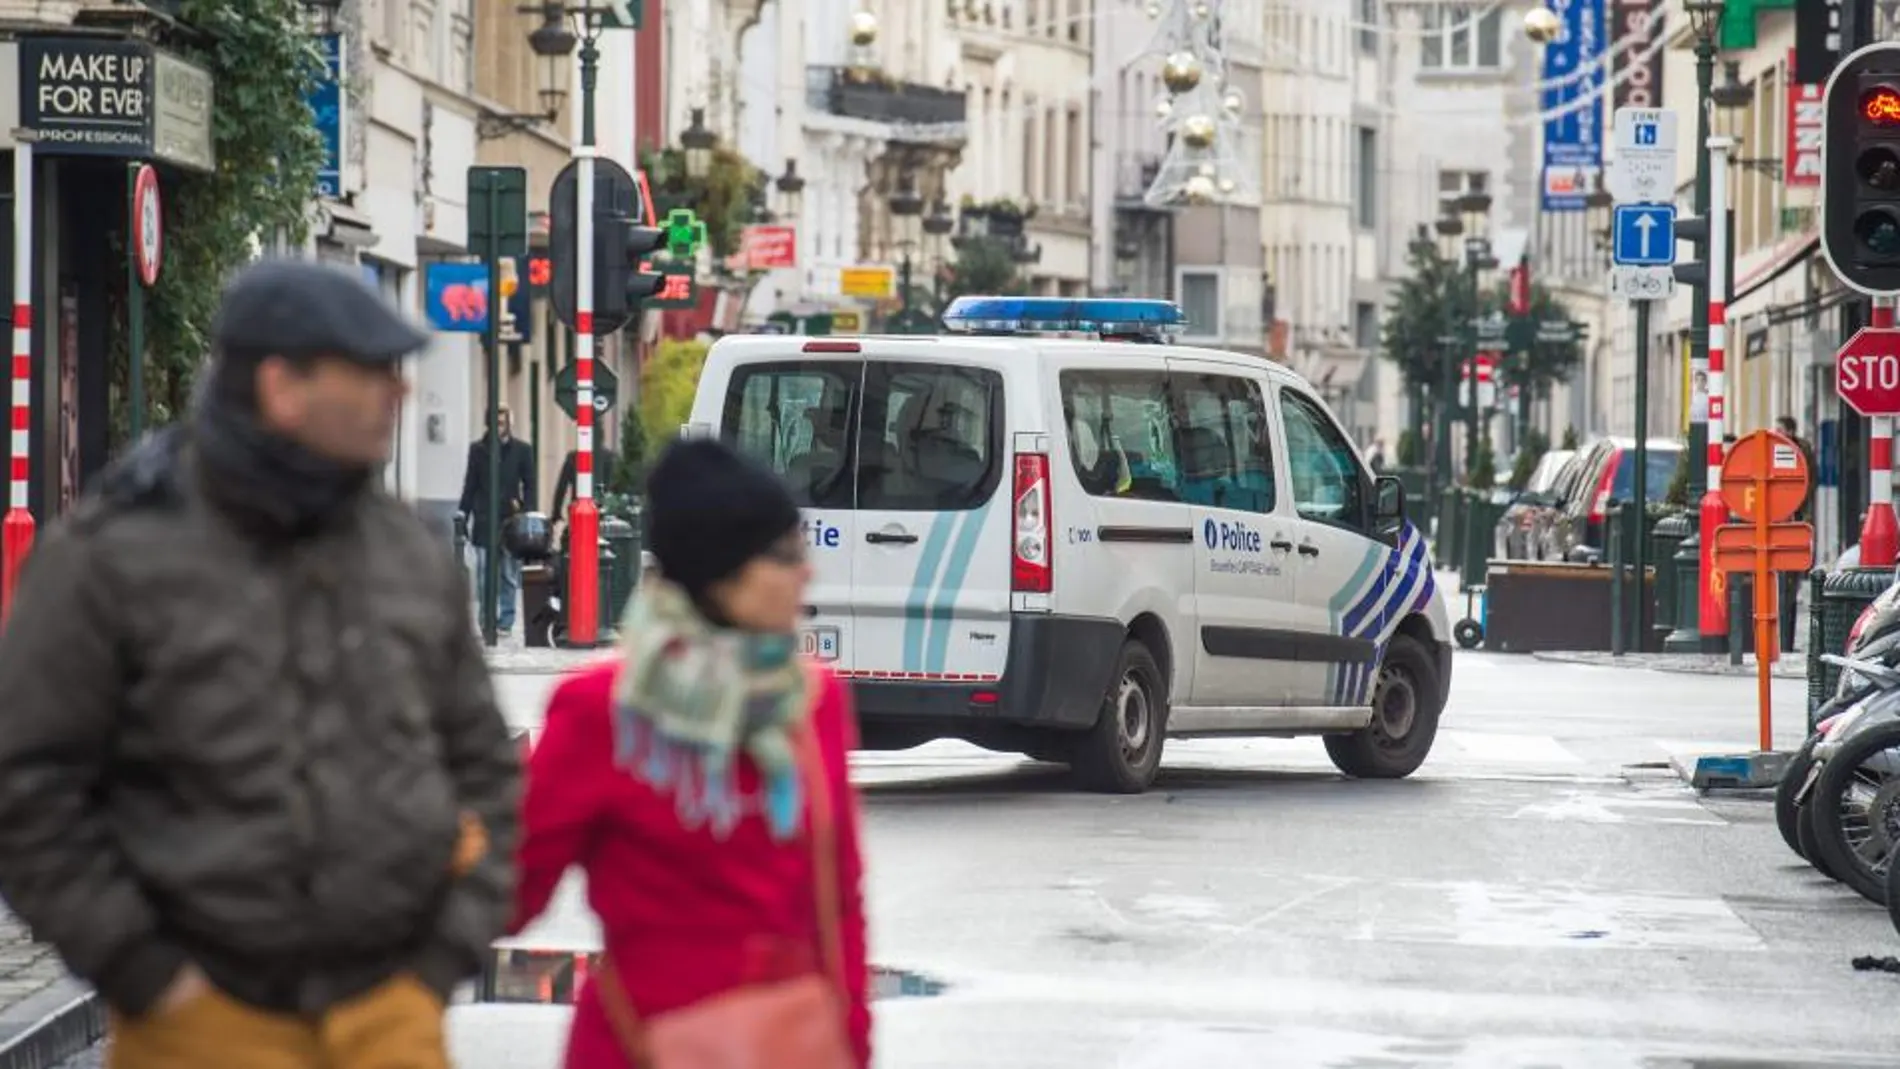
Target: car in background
(1517, 528)
(1607, 474)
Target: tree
(983, 265)
(667, 386)
(630, 474)
(1435, 302)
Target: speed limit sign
(148, 224)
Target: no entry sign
(1867, 371)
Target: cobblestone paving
(26, 967)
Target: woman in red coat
(681, 776)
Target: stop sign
(1867, 371)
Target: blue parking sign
(1645, 234)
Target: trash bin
(1665, 538)
(1844, 594)
(619, 540)
(1479, 529)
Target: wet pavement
(1546, 892)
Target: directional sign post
(1644, 167)
(1645, 235)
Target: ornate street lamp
(906, 205)
(326, 12)
(552, 43)
(698, 142)
(791, 187)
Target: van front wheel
(1405, 710)
(1122, 752)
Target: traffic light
(507, 284)
(1860, 170)
(1695, 272)
(621, 248)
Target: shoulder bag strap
(824, 847)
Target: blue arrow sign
(1645, 235)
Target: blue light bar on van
(1042, 315)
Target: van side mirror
(1388, 501)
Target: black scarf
(268, 483)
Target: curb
(51, 1025)
(1745, 672)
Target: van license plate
(819, 643)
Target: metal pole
(1712, 598)
(1640, 494)
(1447, 395)
(1688, 635)
(1878, 532)
(16, 534)
(583, 525)
(1471, 412)
(135, 308)
(491, 509)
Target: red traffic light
(540, 271)
(1881, 106)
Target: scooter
(1847, 800)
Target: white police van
(1051, 532)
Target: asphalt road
(1544, 893)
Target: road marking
(1510, 749)
(1600, 807)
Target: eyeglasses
(789, 551)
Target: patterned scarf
(692, 696)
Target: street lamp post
(1705, 19)
(1448, 226)
(698, 141)
(791, 188)
(906, 205)
(1474, 205)
(937, 227)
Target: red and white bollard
(1879, 534)
(583, 517)
(1712, 601)
(16, 532)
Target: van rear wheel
(1122, 752)
(1405, 708)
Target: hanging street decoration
(1201, 112)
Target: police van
(1052, 531)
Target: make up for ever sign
(87, 96)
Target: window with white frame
(1200, 302)
(1461, 37)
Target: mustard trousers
(398, 1025)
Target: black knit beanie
(709, 510)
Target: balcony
(929, 113)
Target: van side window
(796, 417)
(1121, 433)
(1327, 483)
(1226, 461)
(932, 437)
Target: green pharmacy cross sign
(685, 233)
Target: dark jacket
(248, 756)
(604, 461)
(517, 485)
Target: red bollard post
(1879, 534)
(18, 529)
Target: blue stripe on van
(915, 609)
(953, 574)
(1342, 599)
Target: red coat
(684, 915)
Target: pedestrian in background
(605, 464)
(1790, 582)
(253, 784)
(701, 782)
(515, 492)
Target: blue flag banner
(455, 297)
(326, 103)
(1573, 134)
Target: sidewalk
(45, 1015)
(1790, 666)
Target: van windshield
(919, 437)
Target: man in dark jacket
(254, 786)
(516, 494)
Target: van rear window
(872, 435)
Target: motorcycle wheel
(1787, 813)
(1861, 863)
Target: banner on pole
(1573, 135)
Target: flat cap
(299, 308)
